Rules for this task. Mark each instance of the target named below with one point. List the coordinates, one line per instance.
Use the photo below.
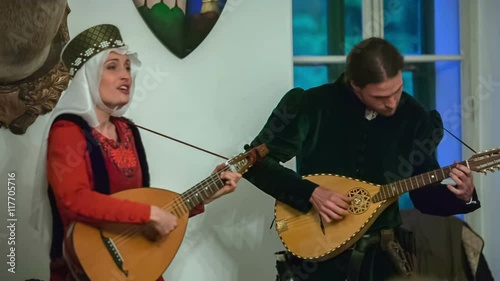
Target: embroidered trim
(121, 153)
(104, 45)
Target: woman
(92, 151)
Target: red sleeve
(198, 209)
(68, 174)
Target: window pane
(449, 104)
(312, 76)
(309, 27)
(408, 82)
(423, 26)
(353, 24)
(326, 27)
(309, 76)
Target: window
(427, 32)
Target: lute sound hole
(361, 201)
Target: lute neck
(402, 186)
(197, 194)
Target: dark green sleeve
(284, 133)
(435, 199)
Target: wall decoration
(181, 25)
(32, 77)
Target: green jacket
(326, 130)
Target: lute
(306, 236)
(120, 252)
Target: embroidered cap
(89, 43)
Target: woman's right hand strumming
(161, 223)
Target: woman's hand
(161, 223)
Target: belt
(403, 260)
(385, 238)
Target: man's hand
(464, 180)
(331, 205)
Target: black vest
(99, 172)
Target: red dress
(69, 173)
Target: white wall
(483, 131)
(217, 98)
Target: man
(361, 126)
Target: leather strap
(358, 253)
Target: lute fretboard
(402, 186)
(197, 194)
